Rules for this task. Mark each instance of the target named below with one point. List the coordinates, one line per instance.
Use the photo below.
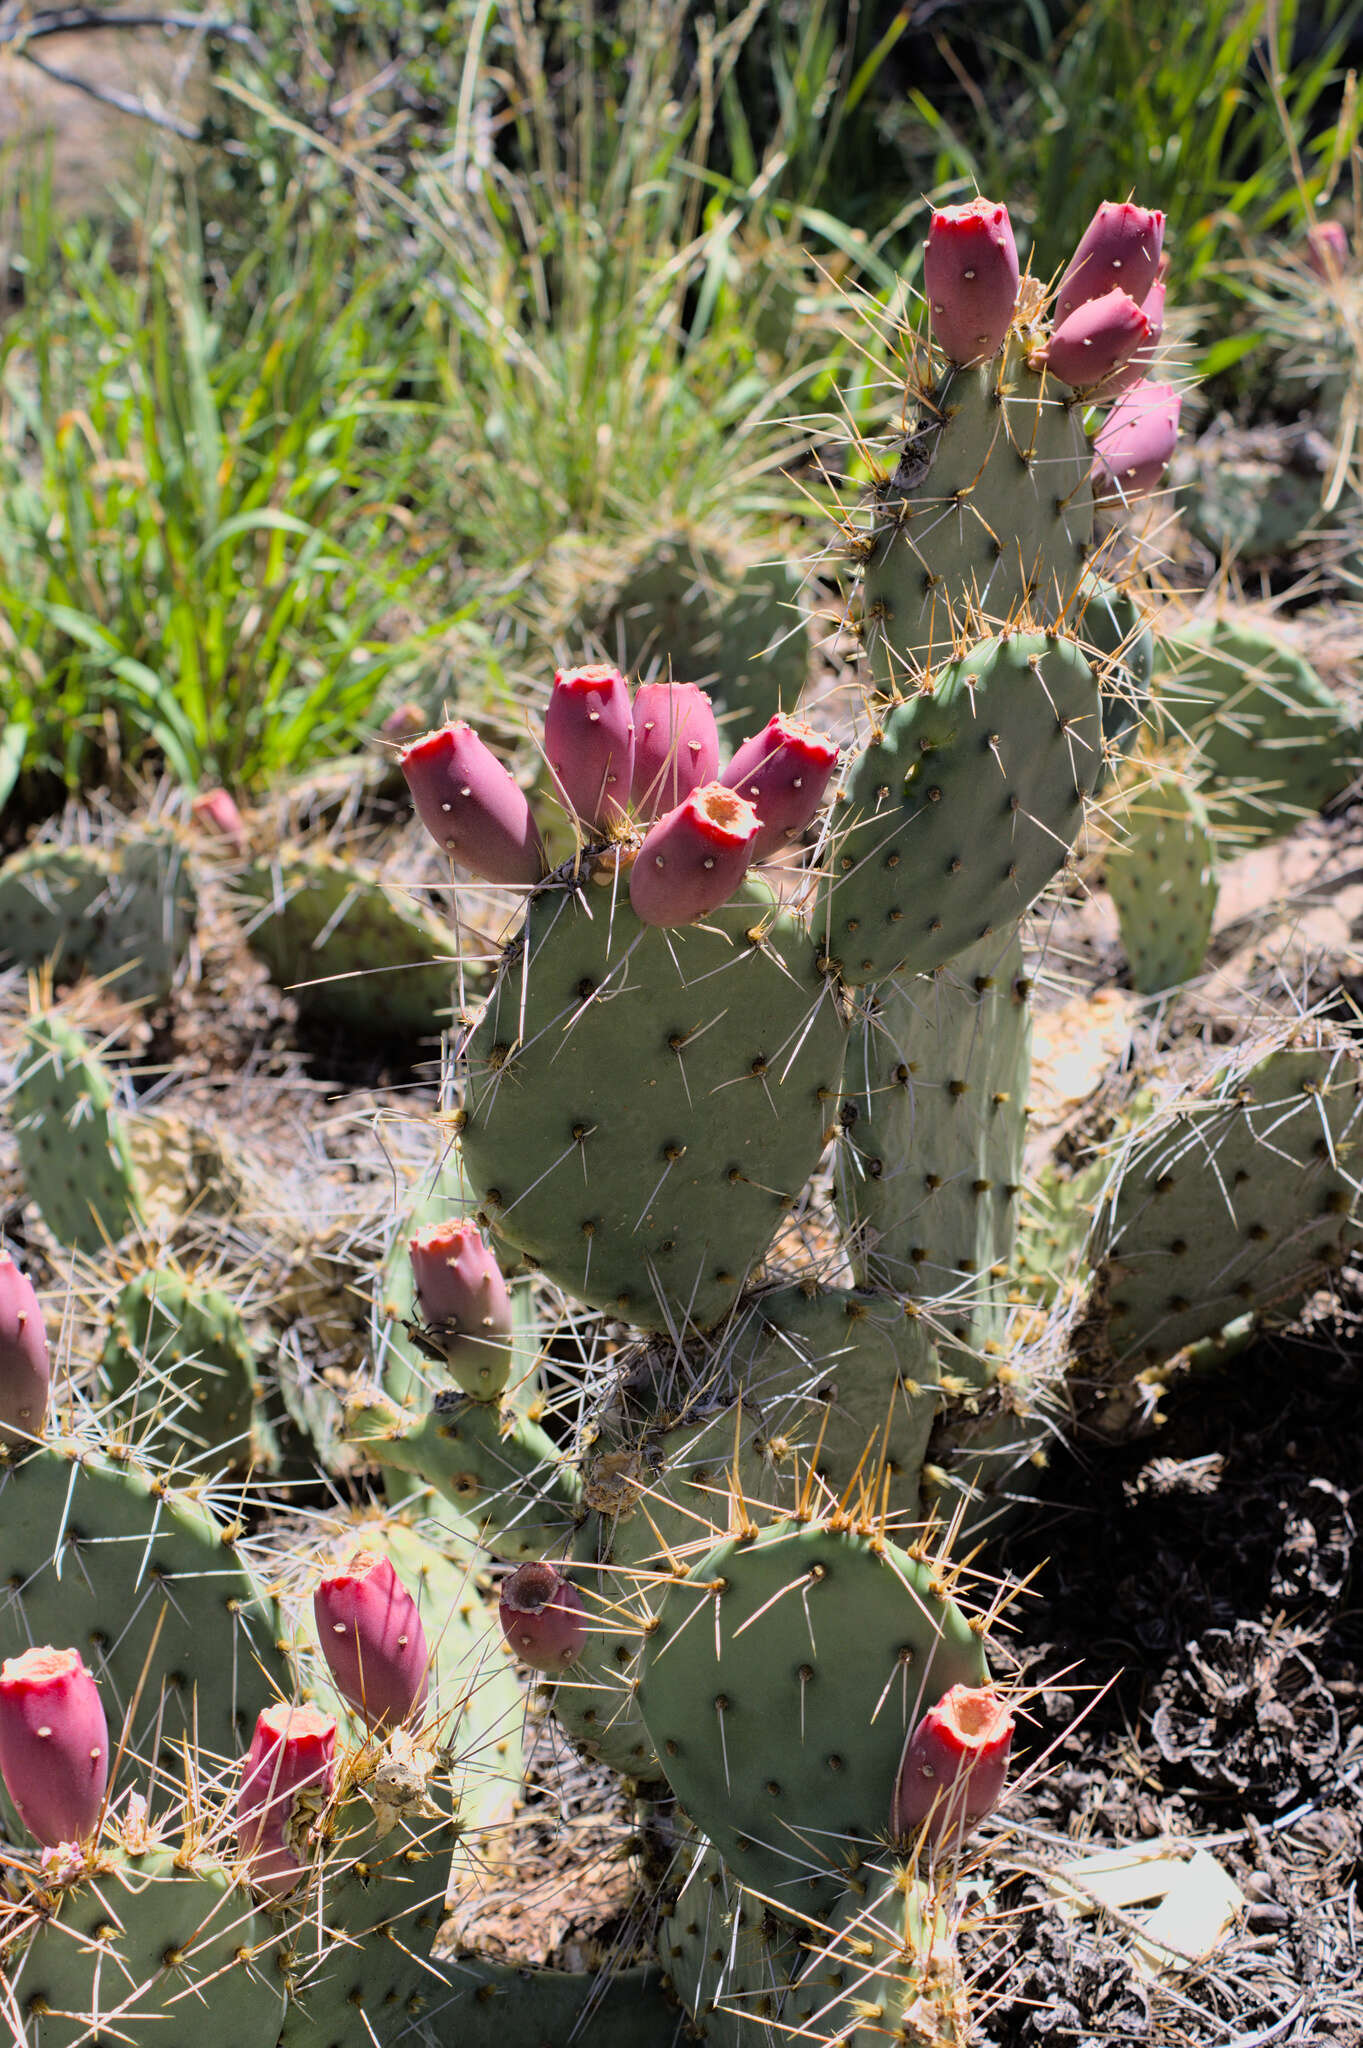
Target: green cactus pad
(125, 913)
(779, 1686)
(642, 1106)
(932, 1165)
(962, 806)
(888, 1948)
(731, 1961)
(487, 2004)
(1240, 1195)
(102, 1554)
(349, 948)
(73, 1148)
(1274, 742)
(1121, 646)
(153, 1949)
(1161, 877)
(495, 1467)
(178, 1361)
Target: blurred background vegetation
(388, 341)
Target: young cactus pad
(780, 1713)
(73, 1148)
(1162, 880)
(642, 1106)
(962, 806)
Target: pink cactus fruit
(1120, 249)
(692, 860)
(465, 1304)
(54, 1744)
(542, 1617)
(472, 806)
(1327, 250)
(1097, 338)
(292, 1752)
(589, 739)
(782, 772)
(1137, 368)
(676, 745)
(1135, 441)
(954, 1766)
(24, 1371)
(371, 1636)
(970, 276)
(403, 723)
(216, 811)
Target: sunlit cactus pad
(126, 913)
(1162, 879)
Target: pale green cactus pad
(1161, 875)
(74, 1151)
(124, 913)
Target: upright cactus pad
(963, 805)
(73, 1147)
(780, 1709)
(125, 913)
(1162, 878)
(642, 1106)
(178, 1360)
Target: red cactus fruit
(216, 811)
(54, 1744)
(1097, 338)
(589, 739)
(970, 277)
(676, 745)
(1327, 249)
(542, 1617)
(1119, 249)
(692, 860)
(1137, 368)
(465, 1304)
(954, 1766)
(24, 1371)
(472, 806)
(782, 772)
(371, 1636)
(1136, 441)
(292, 1752)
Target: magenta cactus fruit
(542, 1617)
(472, 806)
(465, 1305)
(54, 1744)
(782, 772)
(1135, 442)
(1135, 370)
(292, 1752)
(1097, 338)
(954, 1766)
(1327, 250)
(1120, 249)
(371, 1636)
(676, 745)
(970, 277)
(692, 860)
(25, 1375)
(404, 722)
(589, 740)
(216, 811)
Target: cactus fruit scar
(472, 806)
(54, 1744)
(372, 1638)
(542, 1617)
(954, 1767)
(693, 859)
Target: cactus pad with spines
(125, 912)
(179, 1362)
(1161, 877)
(642, 1106)
(73, 1147)
(963, 805)
(779, 1710)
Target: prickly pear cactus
(125, 914)
(1161, 875)
(73, 1146)
(177, 1356)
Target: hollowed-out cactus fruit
(349, 947)
(125, 913)
(160, 1945)
(965, 802)
(642, 1106)
(1236, 1197)
(1273, 741)
(692, 607)
(779, 1711)
(1162, 878)
(178, 1360)
(73, 1148)
(932, 1161)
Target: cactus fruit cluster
(746, 1099)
